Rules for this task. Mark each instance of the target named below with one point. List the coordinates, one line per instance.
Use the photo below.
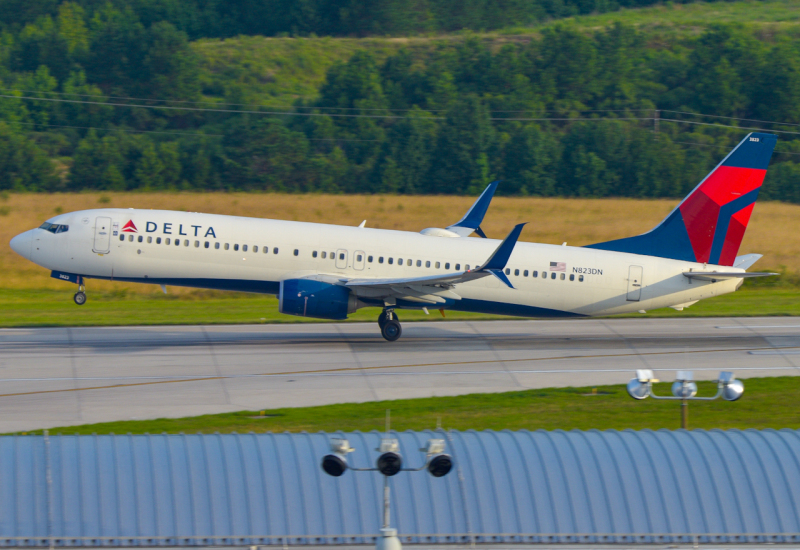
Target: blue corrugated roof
(505, 486)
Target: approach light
(684, 386)
(336, 464)
(639, 387)
(732, 389)
(390, 462)
(438, 464)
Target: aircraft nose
(21, 244)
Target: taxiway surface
(68, 376)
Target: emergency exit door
(102, 235)
(634, 283)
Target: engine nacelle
(318, 299)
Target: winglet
(499, 258)
(474, 217)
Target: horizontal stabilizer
(746, 261)
(716, 276)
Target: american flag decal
(558, 266)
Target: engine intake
(310, 298)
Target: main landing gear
(80, 296)
(390, 325)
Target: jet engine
(318, 299)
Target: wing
(435, 288)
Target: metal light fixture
(389, 463)
(684, 389)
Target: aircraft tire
(391, 330)
(80, 298)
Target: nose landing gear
(390, 325)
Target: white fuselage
(211, 254)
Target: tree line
(224, 18)
(568, 113)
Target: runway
(69, 376)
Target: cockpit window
(54, 227)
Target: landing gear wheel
(391, 330)
(80, 298)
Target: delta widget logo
(129, 227)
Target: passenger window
(516, 273)
(580, 278)
(227, 246)
(399, 261)
(437, 265)
(427, 264)
(380, 260)
(409, 262)
(186, 242)
(255, 249)
(391, 261)
(235, 247)
(207, 244)
(166, 241)
(369, 259)
(265, 250)
(508, 271)
(525, 273)
(419, 263)
(216, 246)
(341, 255)
(275, 250)
(324, 255)
(177, 242)
(447, 265)
(149, 240)
(563, 276)
(359, 257)
(296, 252)
(466, 267)
(244, 248)
(197, 244)
(140, 239)
(553, 276)
(314, 254)
(458, 267)
(535, 274)
(158, 240)
(121, 237)
(130, 238)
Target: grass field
(29, 297)
(767, 403)
(53, 308)
(278, 70)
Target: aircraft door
(341, 259)
(634, 283)
(102, 235)
(358, 259)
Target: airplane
(329, 271)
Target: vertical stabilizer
(709, 224)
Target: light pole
(684, 389)
(389, 463)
